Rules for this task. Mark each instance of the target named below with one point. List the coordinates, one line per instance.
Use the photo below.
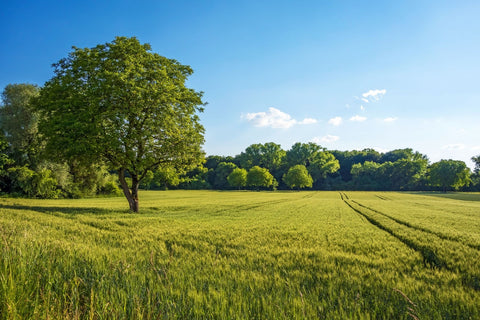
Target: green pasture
(242, 255)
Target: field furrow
(437, 251)
(420, 228)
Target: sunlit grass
(239, 255)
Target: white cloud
(335, 121)
(373, 95)
(275, 118)
(308, 121)
(454, 146)
(390, 119)
(358, 118)
(362, 108)
(326, 139)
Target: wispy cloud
(390, 119)
(335, 121)
(454, 146)
(325, 139)
(373, 95)
(275, 118)
(358, 118)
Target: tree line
(309, 166)
(266, 166)
(116, 117)
(25, 171)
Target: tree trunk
(135, 184)
(130, 194)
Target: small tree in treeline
(298, 177)
(449, 174)
(238, 178)
(318, 162)
(260, 178)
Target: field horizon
(242, 255)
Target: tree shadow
(456, 196)
(65, 210)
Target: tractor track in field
(251, 206)
(409, 225)
(429, 257)
(382, 197)
(428, 244)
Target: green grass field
(242, 255)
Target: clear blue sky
(346, 74)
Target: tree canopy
(316, 159)
(298, 177)
(268, 155)
(19, 122)
(449, 174)
(258, 177)
(476, 160)
(237, 178)
(222, 171)
(125, 105)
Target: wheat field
(242, 255)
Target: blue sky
(345, 74)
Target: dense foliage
(397, 170)
(298, 177)
(24, 169)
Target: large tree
(125, 105)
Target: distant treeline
(25, 169)
(309, 166)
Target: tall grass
(234, 255)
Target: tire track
(437, 253)
(246, 207)
(429, 257)
(419, 228)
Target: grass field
(242, 255)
